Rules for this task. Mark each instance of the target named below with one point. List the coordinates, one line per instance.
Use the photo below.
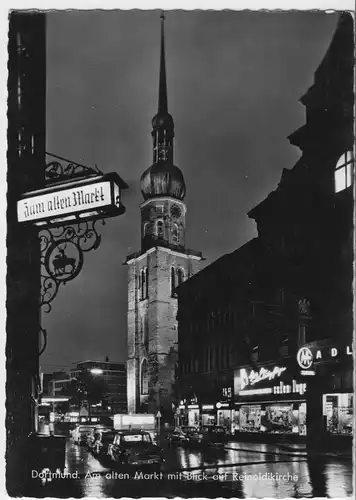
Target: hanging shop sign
(252, 377)
(75, 200)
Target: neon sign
(333, 352)
(253, 377)
(305, 358)
(294, 388)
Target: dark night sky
(234, 80)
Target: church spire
(162, 93)
(162, 122)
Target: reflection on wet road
(257, 471)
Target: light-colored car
(81, 433)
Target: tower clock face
(176, 211)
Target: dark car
(103, 438)
(135, 448)
(193, 435)
(213, 434)
(177, 436)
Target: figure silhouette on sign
(61, 262)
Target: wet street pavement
(236, 470)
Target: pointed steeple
(162, 93)
(163, 178)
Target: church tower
(154, 272)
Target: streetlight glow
(96, 371)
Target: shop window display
(280, 419)
(224, 418)
(250, 418)
(193, 418)
(208, 419)
(338, 409)
(302, 423)
(235, 424)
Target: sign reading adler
(98, 196)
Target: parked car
(135, 448)
(177, 436)
(81, 432)
(94, 433)
(103, 438)
(193, 435)
(213, 434)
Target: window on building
(180, 276)
(159, 229)
(145, 228)
(343, 172)
(146, 277)
(302, 333)
(255, 353)
(143, 283)
(175, 232)
(173, 281)
(159, 209)
(211, 359)
(217, 357)
(145, 330)
(144, 377)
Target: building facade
(113, 377)
(266, 313)
(154, 272)
(58, 383)
(25, 172)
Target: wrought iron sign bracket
(62, 256)
(66, 210)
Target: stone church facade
(154, 272)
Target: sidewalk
(268, 448)
(292, 449)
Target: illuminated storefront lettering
(306, 355)
(253, 377)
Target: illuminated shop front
(188, 414)
(338, 410)
(193, 415)
(208, 414)
(331, 387)
(269, 399)
(224, 415)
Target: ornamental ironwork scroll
(55, 171)
(62, 256)
(64, 241)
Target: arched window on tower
(146, 280)
(145, 229)
(159, 229)
(343, 172)
(173, 281)
(180, 276)
(175, 232)
(144, 377)
(145, 331)
(143, 283)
